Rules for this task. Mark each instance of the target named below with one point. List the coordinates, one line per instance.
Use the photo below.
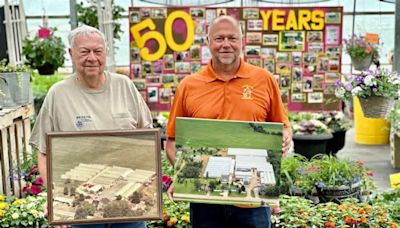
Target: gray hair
(225, 18)
(84, 30)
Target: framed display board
(300, 46)
(103, 176)
(227, 162)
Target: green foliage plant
(87, 14)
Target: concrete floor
(376, 158)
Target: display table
(15, 131)
(369, 130)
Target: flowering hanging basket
(376, 106)
(362, 64)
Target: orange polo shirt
(251, 95)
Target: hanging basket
(362, 64)
(376, 106)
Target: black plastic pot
(311, 145)
(46, 69)
(336, 194)
(336, 143)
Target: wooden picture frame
(91, 173)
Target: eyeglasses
(221, 39)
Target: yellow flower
(1, 213)
(19, 202)
(3, 205)
(2, 198)
(185, 218)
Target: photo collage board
(300, 46)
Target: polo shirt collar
(241, 73)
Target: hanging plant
(87, 14)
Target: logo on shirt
(247, 92)
(82, 121)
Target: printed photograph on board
(333, 17)
(103, 176)
(227, 162)
(291, 40)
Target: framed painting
(227, 162)
(103, 176)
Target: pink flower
(38, 181)
(44, 33)
(276, 210)
(35, 189)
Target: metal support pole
(73, 15)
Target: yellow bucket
(370, 131)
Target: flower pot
(46, 69)
(15, 88)
(336, 143)
(376, 106)
(336, 194)
(311, 145)
(362, 64)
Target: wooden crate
(395, 149)
(15, 131)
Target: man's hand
(287, 140)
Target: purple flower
(321, 184)
(338, 83)
(349, 87)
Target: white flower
(41, 214)
(15, 215)
(339, 92)
(370, 80)
(356, 91)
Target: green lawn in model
(227, 134)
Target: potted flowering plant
(362, 52)
(310, 135)
(44, 53)
(374, 88)
(333, 179)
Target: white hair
(84, 30)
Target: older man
(90, 99)
(228, 88)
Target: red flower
(38, 181)
(330, 224)
(360, 162)
(35, 189)
(370, 173)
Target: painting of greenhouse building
(227, 162)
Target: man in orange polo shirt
(230, 89)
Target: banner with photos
(300, 46)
